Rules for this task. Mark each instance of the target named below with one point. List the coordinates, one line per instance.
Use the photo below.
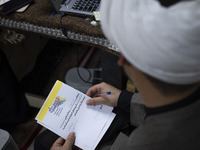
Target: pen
(105, 93)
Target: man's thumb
(69, 141)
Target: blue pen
(105, 93)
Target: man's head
(163, 43)
(142, 80)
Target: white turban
(163, 42)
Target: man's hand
(110, 100)
(61, 144)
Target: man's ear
(122, 61)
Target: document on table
(65, 111)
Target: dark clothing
(13, 103)
(174, 126)
(124, 101)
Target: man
(160, 51)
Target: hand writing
(110, 100)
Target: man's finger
(95, 101)
(69, 141)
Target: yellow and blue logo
(56, 103)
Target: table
(38, 19)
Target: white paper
(65, 111)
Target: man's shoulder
(173, 130)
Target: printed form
(65, 111)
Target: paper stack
(65, 110)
